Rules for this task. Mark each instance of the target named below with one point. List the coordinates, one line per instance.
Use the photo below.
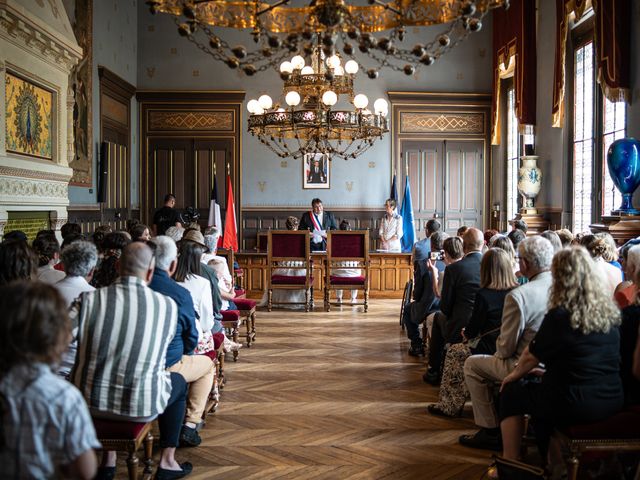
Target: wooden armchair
(347, 249)
(262, 242)
(289, 247)
(123, 436)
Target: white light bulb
(297, 62)
(380, 105)
(333, 61)
(251, 105)
(265, 102)
(292, 99)
(329, 98)
(366, 111)
(259, 110)
(360, 101)
(338, 71)
(280, 110)
(307, 71)
(286, 67)
(351, 67)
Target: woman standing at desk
(390, 228)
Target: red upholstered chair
(247, 309)
(618, 433)
(347, 246)
(127, 437)
(262, 242)
(287, 247)
(231, 322)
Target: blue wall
(170, 62)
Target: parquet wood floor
(330, 396)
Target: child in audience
(46, 428)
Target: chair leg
(132, 465)
(221, 379)
(235, 335)
(306, 301)
(366, 301)
(327, 300)
(148, 454)
(573, 465)
(247, 323)
(253, 325)
(269, 299)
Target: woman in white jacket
(390, 228)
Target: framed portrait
(315, 170)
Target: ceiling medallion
(279, 30)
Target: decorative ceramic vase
(623, 160)
(529, 182)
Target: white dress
(390, 227)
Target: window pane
(584, 89)
(512, 155)
(613, 128)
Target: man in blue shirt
(422, 249)
(197, 370)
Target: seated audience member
(15, 235)
(566, 237)
(140, 233)
(452, 251)
(636, 359)
(422, 248)
(79, 259)
(120, 367)
(579, 345)
(46, 233)
(211, 238)
(610, 255)
(107, 271)
(390, 231)
(347, 270)
(516, 236)
(625, 293)
(131, 224)
(629, 338)
(197, 370)
(460, 284)
(488, 235)
(461, 231)
(597, 247)
(47, 249)
(175, 233)
(47, 431)
(524, 309)
(424, 297)
(98, 237)
(17, 262)
(70, 228)
(503, 243)
(479, 337)
(553, 237)
(521, 225)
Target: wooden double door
(447, 182)
(186, 167)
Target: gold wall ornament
(262, 185)
(194, 121)
(151, 71)
(284, 164)
(338, 25)
(435, 122)
(372, 164)
(349, 185)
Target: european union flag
(408, 227)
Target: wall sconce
(495, 210)
(262, 185)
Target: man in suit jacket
(316, 173)
(522, 315)
(459, 286)
(317, 217)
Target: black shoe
(432, 377)
(485, 439)
(434, 409)
(189, 437)
(163, 474)
(106, 473)
(416, 351)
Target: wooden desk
(388, 273)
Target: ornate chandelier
(311, 124)
(279, 30)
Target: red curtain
(514, 40)
(612, 37)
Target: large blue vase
(623, 160)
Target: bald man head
(137, 261)
(472, 240)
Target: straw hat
(196, 237)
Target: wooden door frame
(196, 115)
(427, 116)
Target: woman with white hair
(626, 291)
(579, 345)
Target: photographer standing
(166, 217)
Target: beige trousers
(199, 372)
(481, 373)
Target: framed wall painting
(30, 118)
(315, 171)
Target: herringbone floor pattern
(330, 396)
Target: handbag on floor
(515, 470)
